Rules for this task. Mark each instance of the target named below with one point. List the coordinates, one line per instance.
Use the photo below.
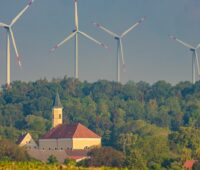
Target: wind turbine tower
(118, 38)
(10, 34)
(194, 57)
(75, 34)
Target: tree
(125, 141)
(134, 110)
(106, 156)
(154, 150)
(52, 159)
(135, 159)
(10, 151)
(196, 165)
(186, 137)
(186, 154)
(36, 123)
(114, 111)
(70, 162)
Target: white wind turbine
(75, 33)
(120, 52)
(11, 34)
(194, 57)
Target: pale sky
(149, 53)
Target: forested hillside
(156, 126)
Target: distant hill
(133, 115)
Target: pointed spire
(57, 102)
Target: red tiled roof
(77, 158)
(20, 139)
(189, 164)
(70, 131)
(77, 154)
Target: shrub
(105, 156)
(69, 161)
(12, 152)
(52, 159)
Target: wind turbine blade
(181, 42)
(132, 27)
(122, 54)
(197, 61)
(15, 47)
(198, 46)
(64, 41)
(105, 29)
(3, 25)
(21, 13)
(76, 14)
(92, 39)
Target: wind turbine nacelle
(117, 38)
(192, 49)
(6, 27)
(74, 30)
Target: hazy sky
(149, 53)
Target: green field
(43, 166)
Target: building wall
(28, 142)
(57, 116)
(84, 143)
(55, 144)
(76, 143)
(65, 143)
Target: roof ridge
(21, 137)
(76, 130)
(77, 124)
(51, 131)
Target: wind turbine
(10, 34)
(75, 34)
(194, 56)
(118, 38)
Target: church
(65, 140)
(67, 136)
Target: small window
(60, 116)
(49, 148)
(61, 148)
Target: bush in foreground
(105, 156)
(43, 166)
(52, 160)
(12, 152)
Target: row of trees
(129, 117)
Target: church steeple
(57, 102)
(57, 111)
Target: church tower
(57, 112)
